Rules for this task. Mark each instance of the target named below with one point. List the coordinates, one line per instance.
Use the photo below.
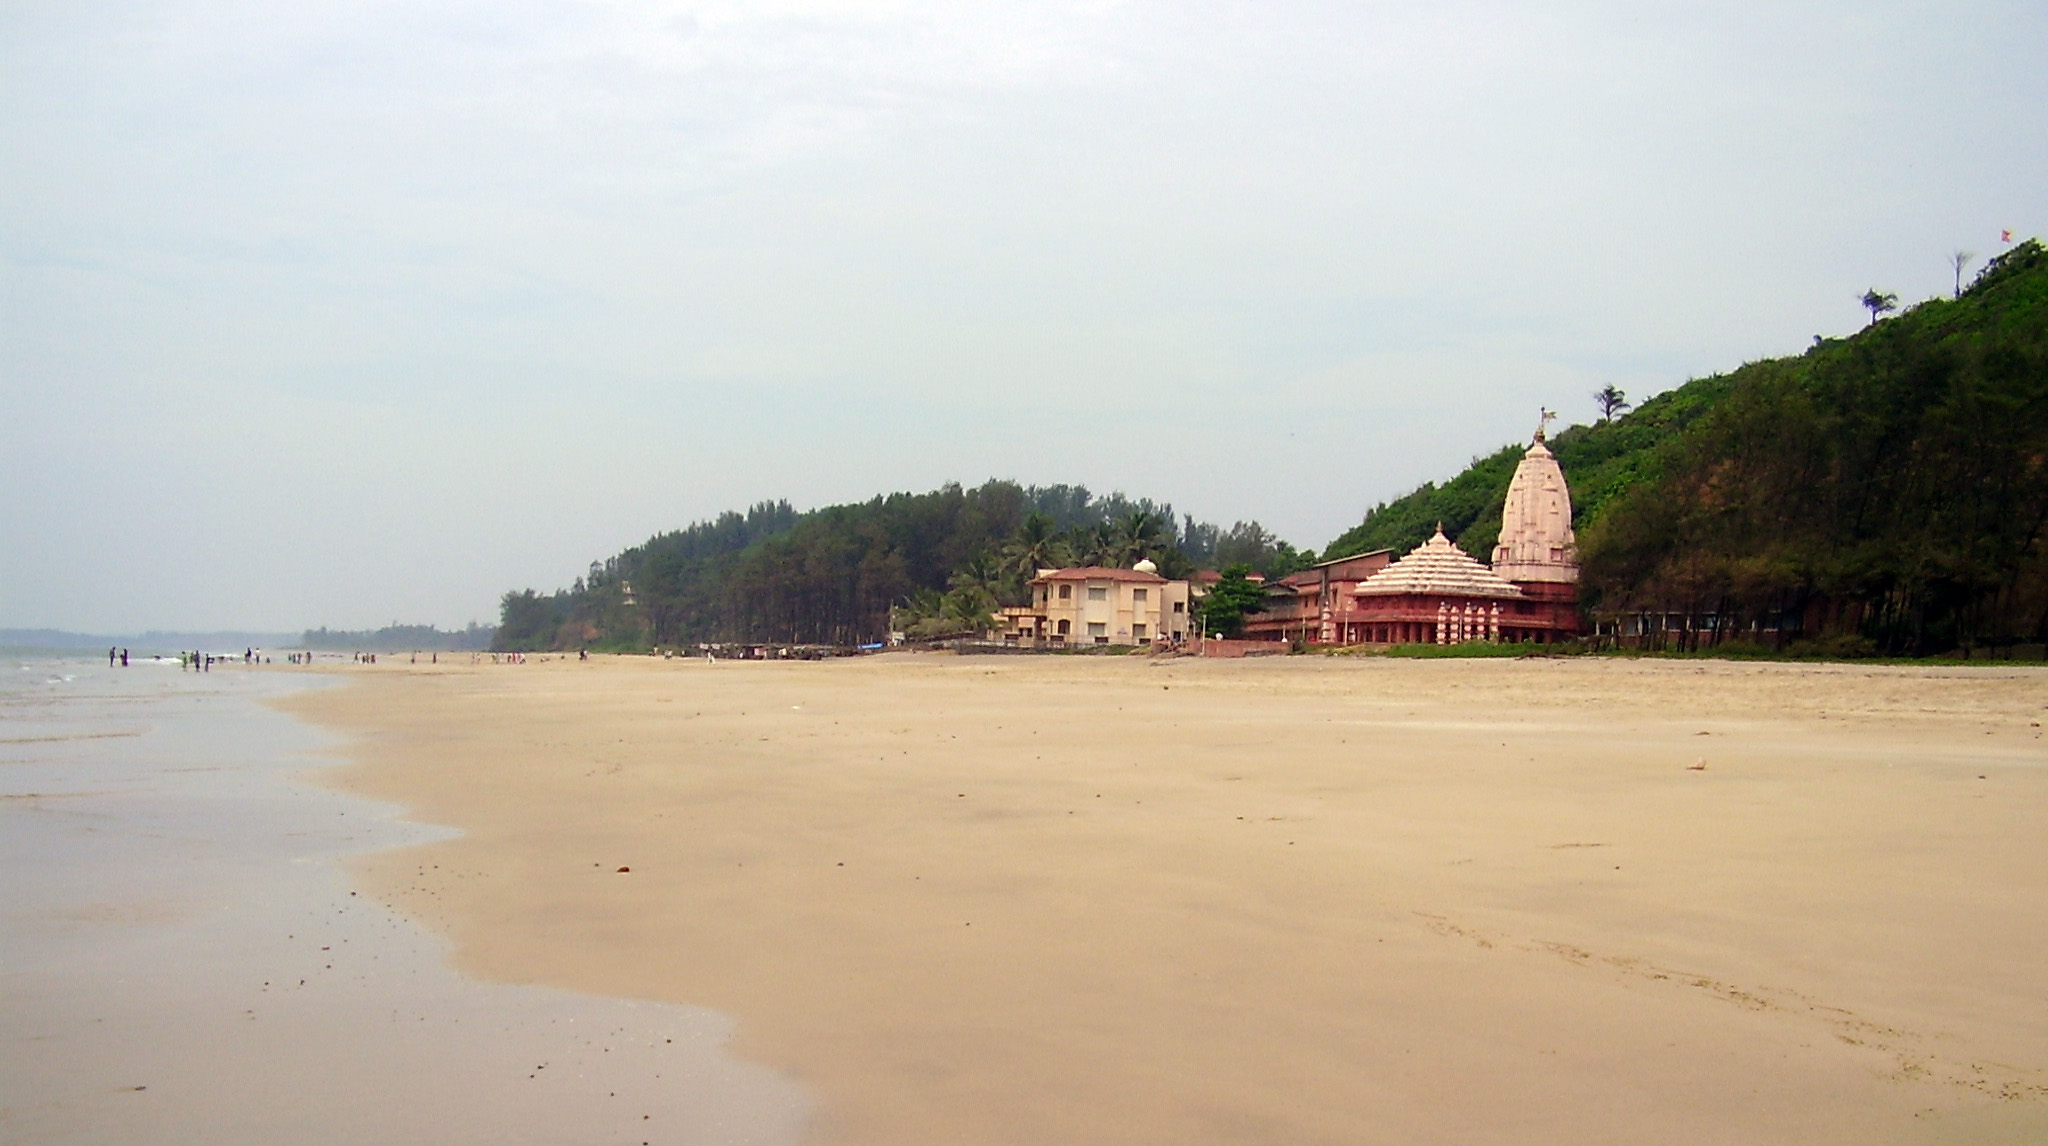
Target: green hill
(1599, 461)
(1890, 487)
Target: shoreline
(184, 959)
(1018, 900)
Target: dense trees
(939, 562)
(1892, 486)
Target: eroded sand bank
(1035, 900)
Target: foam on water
(182, 961)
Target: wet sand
(181, 960)
(1032, 900)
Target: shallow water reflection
(182, 961)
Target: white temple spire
(1536, 538)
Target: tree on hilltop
(1611, 402)
(1879, 303)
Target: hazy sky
(325, 313)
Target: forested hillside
(934, 562)
(1890, 487)
(1599, 461)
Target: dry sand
(1078, 900)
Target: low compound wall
(1231, 649)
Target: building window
(1180, 606)
(1138, 631)
(1066, 591)
(1138, 595)
(1098, 593)
(1066, 626)
(1098, 629)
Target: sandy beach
(1077, 900)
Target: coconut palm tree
(980, 573)
(1037, 545)
(1611, 401)
(1138, 537)
(1879, 303)
(1094, 544)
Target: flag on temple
(2005, 236)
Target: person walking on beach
(124, 658)
(110, 656)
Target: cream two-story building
(1097, 606)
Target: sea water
(181, 960)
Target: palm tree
(1137, 537)
(1879, 303)
(971, 608)
(1611, 402)
(1959, 260)
(1094, 544)
(980, 573)
(1036, 546)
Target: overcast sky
(344, 313)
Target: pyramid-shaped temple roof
(1437, 566)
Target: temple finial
(1546, 415)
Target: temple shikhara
(1438, 594)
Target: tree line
(395, 637)
(933, 563)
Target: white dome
(1145, 566)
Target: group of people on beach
(122, 659)
(197, 661)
